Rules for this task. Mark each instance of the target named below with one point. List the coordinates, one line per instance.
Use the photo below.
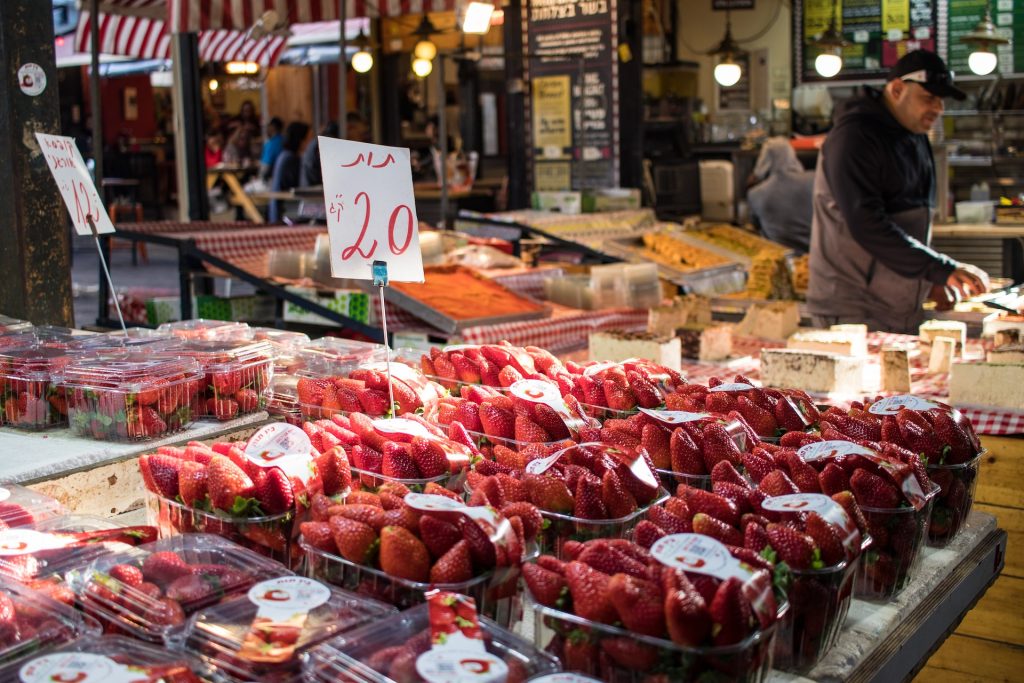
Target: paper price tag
(497, 528)
(77, 667)
(831, 511)
(283, 446)
(820, 450)
(893, 404)
(371, 210)
(732, 386)
(545, 393)
(282, 608)
(431, 502)
(75, 183)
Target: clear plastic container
(898, 535)
(337, 356)
(371, 481)
(23, 507)
(495, 591)
(286, 346)
(238, 375)
(273, 536)
(348, 390)
(10, 325)
(747, 661)
(210, 570)
(135, 340)
(559, 528)
(32, 397)
(218, 634)
(107, 658)
(222, 330)
(39, 623)
(671, 480)
(354, 656)
(283, 401)
(956, 497)
(131, 398)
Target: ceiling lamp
(362, 60)
(425, 48)
(727, 71)
(478, 17)
(422, 67)
(830, 43)
(240, 68)
(982, 39)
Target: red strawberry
(164, 472)
(454, 566)
(737, 494)
(528, 431)
(588, 503)
(709, 526)
(630, 654)
(755, 537)
(319, 536)
(429, 457)
(646, 394)
(374, 402)
(222, 408)
(685, 453)
(730, 613)
(248, 400)
(531, 518)
(546, 586)
(357, 542)
(833, 479)
(481, 548)
(163, 567)
(335, 471)
(725, 472)
(127, 574)
(776, 483)
(798, 439)
(618, 501)
(803, 475)
(599, 554)
(712, 504)
(275, 492)
(165, 612)
(226, 483)
(589, 589)
(873, 491)
(793, 548)
(617, 393)
(718, 446)
(760, 420)
(468, 413)
(548, 493)
(438, 535)
(657, 443)
(827, 538)
(372, 515)
(686, 614)
(719, 402)
(497, 423)
(667, 522)
(397, 462)
(367, 459)
(647, 533)
(639, 604)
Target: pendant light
(727, 72)
(362, 60)
(982, 39)
(425, 48)
(829, 61)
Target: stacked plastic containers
(957, 482)
(109, 658)
(329, 361)
(207, 329)
(23, 507)
(132, 397)
(32, 397)
(286, 346)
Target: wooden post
(35, 248)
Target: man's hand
(943, 298)
(967, 281)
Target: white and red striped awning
(143, 28)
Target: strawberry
(497, 423)
(656, 441)
(617, 393)
(803, 475)
(678, 507)
(709, 526)
(548, 493)
(481, 548)
(468, 413)
(725, 472)
(872, 491)
(798, 439)
(367, 459)
(546, 586)
(163, 472)
(334, 470)
(737, 494)
(531, 518)
(776, 483)
(227, 483)
(639, 604)
(579, 653)
(730, 613)
(630, 654)
(588, 503)
(589, 589)
(275, 492)
(374, 402)
(760, 420)
(165, 612)
(793, 548)
(528, 431)
(686, 614)
(222, 408)
(647, 533)
(248, 400)
(319, 536)
(667, 522)
(718, 446)
(550, 421)
(127, 574)
(397, 462)
(163, 567)
(685, 454)
(646, 394)
(429, 457)
(617, 499)
(833, 479)
(789, 417)
(827, 538)
(438, 535)
(755, 537)
(357, 542)
(599, 554)
(713, 505)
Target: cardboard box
(352, 303)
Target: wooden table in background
(237, 194)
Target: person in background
(214, 148)
(238, 151)
(246, 118)
(287, 168)
(272, 147)
(780, 201)
(874, 189)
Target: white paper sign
(74, 182)
(371, 210)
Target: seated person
(780, 202)
(287, 168)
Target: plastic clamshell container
(238, 373)
(95, 659)
(819, 600)
(207, 329)
(337, 356)
(956, 497)
(351, 657)
(216, 569)
(272, 536)
(898, 535)
(495, 591)
(564, 528)
(747, 661)
(131, 398)
(32, 397)
(671, 480)
(10, 325)
(23, 507)
(216, 634)
(135, 340)
(40, 623)
(285, 344)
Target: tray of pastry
(454, 298)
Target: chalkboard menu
(880, 32)
(964, 15)
(572, 69)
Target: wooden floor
(989, 644)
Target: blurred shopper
(272, 147)
(287, 168)
(214, 148)
(780, 202)
(238, 151)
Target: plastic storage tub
(23, 507)
(106, 659)
(368, 654)
(38, 623)
(29, 381)
(273, 536)
(238, 375)
(242, 642)
(495, 591)
(131, 398)
(747, 661)
(189, 573)
(207, 329)
(956, 497)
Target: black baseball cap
(929, 71)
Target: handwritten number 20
(396, 249)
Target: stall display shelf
(56, 453)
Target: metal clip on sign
(380, 279)
(106, 271)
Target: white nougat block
(895, 370)
(943, 353)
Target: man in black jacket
(874, 190)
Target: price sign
(76, 187)
(371, 210)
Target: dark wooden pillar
(34, 235)
(515, 103)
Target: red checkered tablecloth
(249, 248)
(567, 329)
(161, 227)
(530, 283)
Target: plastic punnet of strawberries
(616, 390)
(29, 380)
(30, 621)
(394, 544)
(613, 608)
(493, 365)
(112, 658)
(366, 390)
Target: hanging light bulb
(728, 72)
(213, 85)
(425, 50)
(982, 39)
(422, 67)
(831, 44)
(362, 60)
(828, 64)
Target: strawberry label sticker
(283, 446)
(893, 404)
(706, 555)
(732, 386)
(77, 667)
(401, 425)
(831, 511)
(431, 502)
(458, 455)
(453, 622)
(542, 465)
(27, 542)
(458, 348)
(4, 494)
(674, 417)
(283, 605)
(831, 449)
(497, 528)
(461, 666)
(598, 368)
(545, 393)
